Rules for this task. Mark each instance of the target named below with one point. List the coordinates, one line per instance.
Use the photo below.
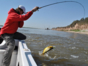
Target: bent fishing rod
(64, 2)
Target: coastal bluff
(81, 24)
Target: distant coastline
(77, 26)
(31, 27)
(80, 32)
(25, 27)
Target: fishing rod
(63, 2)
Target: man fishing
(8, 32)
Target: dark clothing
(17, 35)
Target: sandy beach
(80, 32)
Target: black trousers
(17, 35)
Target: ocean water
(71, 49)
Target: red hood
(11, 10)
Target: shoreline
(84, 31)
(81, 32)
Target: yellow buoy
(47, 49)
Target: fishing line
(63, 2)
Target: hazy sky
(58, 15)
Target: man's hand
(35, 9)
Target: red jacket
(14, 21)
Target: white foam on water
(74, 56)
(73, 48)
(40, 52)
